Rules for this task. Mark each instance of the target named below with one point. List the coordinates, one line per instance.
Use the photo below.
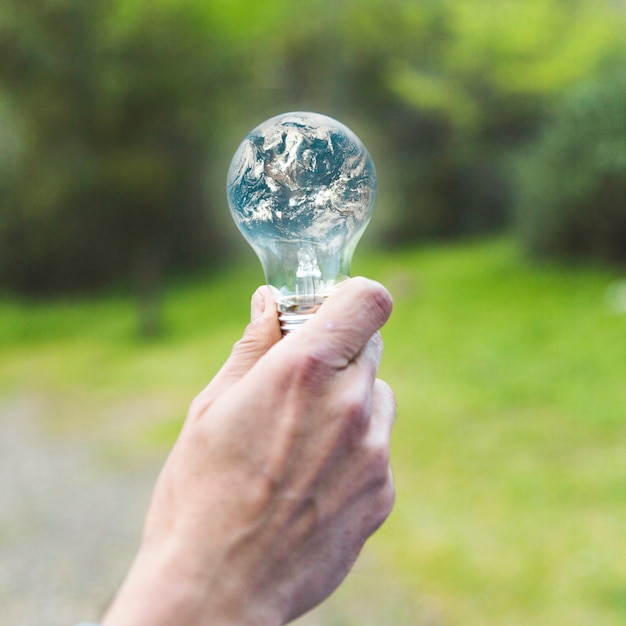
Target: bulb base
(293, 312)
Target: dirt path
(69, 525)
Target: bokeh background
(499, 133)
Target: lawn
(510, 445)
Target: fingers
(377, 442)
(383, 416)
(343, 332)
(258, 337)
(343, 326)
(365, 469)
(259, 302)
(358, 383)
(372, 353)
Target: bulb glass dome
(301, 188)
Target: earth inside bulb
(301, 189)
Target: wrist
(153, 593)
(165, 589)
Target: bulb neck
(296, 310)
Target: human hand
(280, 474)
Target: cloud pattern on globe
(302, 176)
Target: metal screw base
(292, 321)
(294, 312)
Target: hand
(280, 474)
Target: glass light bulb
(301, 188)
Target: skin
(280, 474)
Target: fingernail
(257, 306)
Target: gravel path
(70, 522)
(68, 525)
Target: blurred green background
(499, 133)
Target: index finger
(344, 324)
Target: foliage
(573, 197)
(111, 124)
(118, 117)
(468, 82)
(509, 448)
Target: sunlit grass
(85, 361)
(510, 444)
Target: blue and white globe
(301, 189)
(301, 176)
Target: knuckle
(378, 462)
(381, 506)
(258, 337)
(387, 406)
(387, 499)
(262, 490)
(307, 369)
(355, 408)
(252, 341)
(375, 298)
(199, 405)
(384, 389)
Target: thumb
(260, 335)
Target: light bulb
(301, 188)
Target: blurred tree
(466, 84)
(117, 115)
(114, 113)
(572, 202)
(452, 88)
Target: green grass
(510, 447)
(84, 362)
(510, 444)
